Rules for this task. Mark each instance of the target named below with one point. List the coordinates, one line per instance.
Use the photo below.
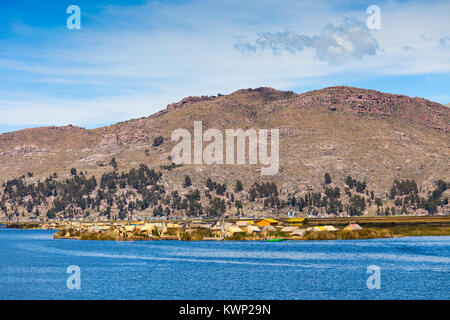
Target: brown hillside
(371, 135)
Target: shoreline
(324, 236)
(297, 229)
(251, 239)
(363, 234)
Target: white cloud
(445, 41)
(336, 44)
(133, 61)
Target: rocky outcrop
(363, 101)
(29, 149)
(187, 101)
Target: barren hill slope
(370, 135)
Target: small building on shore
(288, 230)
(197, 226)
(252, 230)
(98, 229)
(244, 223)
(268, 229)
(315, 229)
(127, 230)
(352, 227)
(173, 228)
(267, 222)
(147, 228)
(296, 222)
(233, 230)
(218, 230)
(298, 232)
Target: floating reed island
(265, 229)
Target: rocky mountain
(374, 137)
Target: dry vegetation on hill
(371, 136)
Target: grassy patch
(349, 235)
(98, 236)
(420, 231)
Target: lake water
(33, 266)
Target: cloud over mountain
(445, 41)
(336, 44)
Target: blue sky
(131, 58)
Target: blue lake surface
(33, 266)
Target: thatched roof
(288, 229)
(353, 226)
(227, 225)
(244, 223)
(299, 232)
(269, 229)
(217, 227)
(251, 229)
(234, 229)
(315, 229)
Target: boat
(275, 239)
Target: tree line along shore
(142, 193)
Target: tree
(327, 178)
(50, 214)
(158, 141)
(360, 186)
(350, 182)
(239, 186)
(210, 184)
(113, 163)
(220, 189)
(29, 206)
(356, 206)
(378, 202)
(73, 171)
(386, 211)
(332, 193)
(187, 182)
(393, 211)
